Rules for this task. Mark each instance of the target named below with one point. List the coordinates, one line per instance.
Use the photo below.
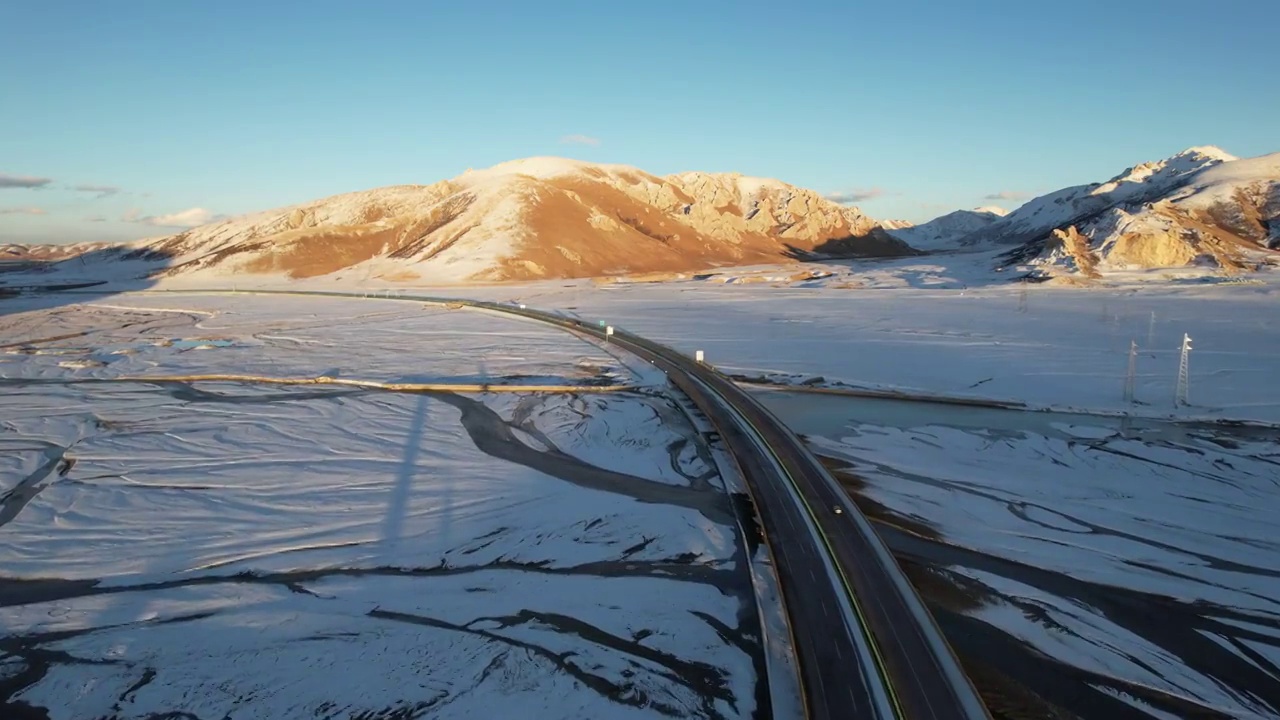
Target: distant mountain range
(1201, 206)
(944, 233)
(557, 218)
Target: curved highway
(865, 643)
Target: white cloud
(100, 191)
(189, 218)
(23, 211)
(22, 181)
(853, 196)
(1008, 195)
(580, 140)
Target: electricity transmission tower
(1184, 381)
(1130, 380)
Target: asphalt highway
(866, 645)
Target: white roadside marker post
(699, 357)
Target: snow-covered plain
(242, 551)
(1119, 567)
(942, 325)
(132, 335)
(1118, 564)
(1099, 557)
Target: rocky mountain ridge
(531, 219)
(1200, 207)
(545, 218)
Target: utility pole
(1151, 330)
(1130, 380)
(1184, 380)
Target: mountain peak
(942, 231)
(1211, 152)
(542, 167)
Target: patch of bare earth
(310, 251)
(400, 276)
(1228, 234)
(320, 251)
(1068, 281)
(1244, 216)
(1163, 249)
(578, 228)
(1076, 246)
(654, 277)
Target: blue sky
(164, 113)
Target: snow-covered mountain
(532, 218)
(942, 232)
(1069, 206)
(1200, 206)
(558, 218)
